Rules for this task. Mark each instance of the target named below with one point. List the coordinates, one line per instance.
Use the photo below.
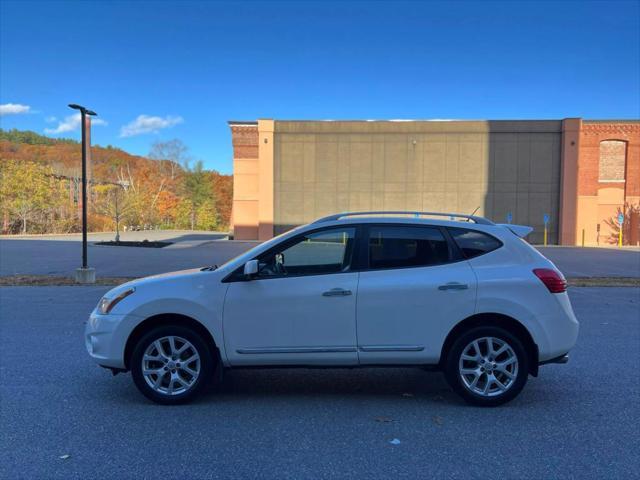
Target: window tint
(328, 251)
(397, 247)
(474, 243)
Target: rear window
(401, 246)
(474, 243)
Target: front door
(300, 308)
(414, 290)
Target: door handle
(336, 292)
(453, 286)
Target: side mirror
(251, 268)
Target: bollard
(583, 237)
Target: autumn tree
(25, 190)
(167, 189)
(196, 189)
(113, 202)
(167, 205)
(170, 156)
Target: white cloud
(13, 109)
(71, 123)
(148, 124)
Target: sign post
(546, 225)
(509, 217)
(620, 222)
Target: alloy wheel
(171, 365)
(488, 366)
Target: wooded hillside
(40, 189)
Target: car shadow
(384, 382)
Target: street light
(84, 274)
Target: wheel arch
(510, 324)
(169, 319)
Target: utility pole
(84, 274)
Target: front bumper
(104, 340)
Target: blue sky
(163, 70)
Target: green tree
(183, 214)
(197, 190)
(206, 216)
(31, 138)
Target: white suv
(470, 298)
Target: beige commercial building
(287, 173)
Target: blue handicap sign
(620, 218)
(509, 217)
(546, 218)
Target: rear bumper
(560, 330)
(561, 359)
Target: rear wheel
(487, 366)
(171, 364)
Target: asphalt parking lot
(578, 420)
(61, 255)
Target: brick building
(578, 173)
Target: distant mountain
(31, 138)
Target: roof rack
(338, 216)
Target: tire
(482, 383)
(181, 376)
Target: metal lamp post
(84, 274)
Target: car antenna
(473, 213)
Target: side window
(474, 243)
(406, 246)
(328, 251)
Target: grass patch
(142, 244)
(55, 281)
(604, 282)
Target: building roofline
(253, 123)
(616, 120)
(242, 123)
(421, 120)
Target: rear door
(414, 288)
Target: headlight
(106, 304)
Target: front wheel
(487, 366)
(171, 364)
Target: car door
(415, 288)
(300, 308)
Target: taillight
(552, 279)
